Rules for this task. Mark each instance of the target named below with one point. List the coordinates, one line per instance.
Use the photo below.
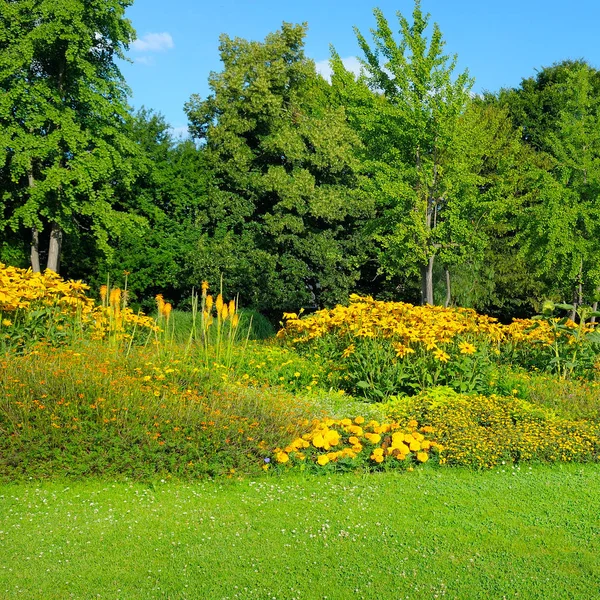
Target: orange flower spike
(115, 297)
(167, 308)
(219, 304)
(232, 307)
(204, 288)
(103, 292)
(209, 302)
(224, 312)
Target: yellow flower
(466, 348)
(318, 441)
(332, 437)
(441, 355)
(415, 445)
(282, 457)
(422, 457)
(6, 322)
(323, 459)
(374, 438)
(348, 351)
(359, 420)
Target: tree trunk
(448, 288)
(427, 281)
(56, 235)
(594, 308)
(35, 234)
(578, 293)
(35, 250)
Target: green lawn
(532, 532)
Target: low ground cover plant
(485, 431)
(87, 410)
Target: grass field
(528, 532)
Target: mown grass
(529, 532)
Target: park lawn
(524, 532)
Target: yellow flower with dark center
(441, 355)
(466, 348)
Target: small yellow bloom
(282, 457)
(422, 457)
(323, 459)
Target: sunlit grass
(508, 533)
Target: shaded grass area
(529, 533)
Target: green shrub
(483, 431)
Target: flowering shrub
(43, 306)
(482, 432)
(347, 444)
(382, 348)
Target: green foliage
(557, 224)
(86, 410)
(415, 145)
(62, 116)
(485, 431)
(571, 399)
(570, 349)
(284, 210)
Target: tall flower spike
(219, 303)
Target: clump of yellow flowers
(62, 308)
(350, 443)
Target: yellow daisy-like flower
(441, 355)
(6, 322)
(466, 348)
(323, 459)
(359, 420)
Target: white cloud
(351, 63)
(180, 132)
(144, 60)
(153, 42)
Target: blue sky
(499, 41)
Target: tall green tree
(170, 192)
(414, 129)
(63, 144)
(285, 207)
(558, 112)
